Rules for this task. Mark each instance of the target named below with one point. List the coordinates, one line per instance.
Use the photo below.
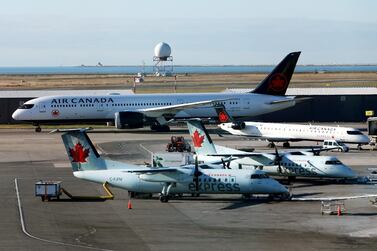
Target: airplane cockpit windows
(26, 106)
(203, 166)
(259, 176)
(354, 133)
(333, 162)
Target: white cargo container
(48, 189)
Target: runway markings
(24, 230)
(62, 165)
(144, 148)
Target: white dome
(162, 50)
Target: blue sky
(115, 32)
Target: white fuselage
(96, 108)
(212, 181)
(299, 164)
(295, 132)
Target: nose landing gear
(164, 196)
(38, 128)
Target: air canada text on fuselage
(101, 100)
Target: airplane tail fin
(200, 138)
(81, 151)
(276, 83)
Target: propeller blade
(228, 165)
(222, 161)
(278, 159)
(197, 173)
(196, 184)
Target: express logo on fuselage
(215, 187)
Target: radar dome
(162, 51)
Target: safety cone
(129, 205)
(339, 211)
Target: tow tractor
(178, 144)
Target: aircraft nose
(279, 188)
(365, 139)
(16, 114)
(343, 172)
(350, 173)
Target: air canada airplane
(281, 132)
(87, 164)
(138, 110)
(290, 164)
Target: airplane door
(42, 107)
(100, 107)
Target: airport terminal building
(321, 105)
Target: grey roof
(322, 91)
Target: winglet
(276, 83)
(222, 115)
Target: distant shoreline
(178, 69)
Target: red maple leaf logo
(223, 117)
(78, 153)
(197, 139)
(278, 82)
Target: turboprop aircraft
(282, 132)
(87, 164)
(291, 164)
(138, 110)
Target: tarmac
(216, 222)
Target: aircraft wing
(151, 170)
(236, 155)
(318, 150)
(292, 99)
(173, 109)
(333, 198)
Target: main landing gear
(160, 128)
(271, 145)
(286, 144)
(164, 196)
(38, 128)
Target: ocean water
(179, 69)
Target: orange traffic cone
(339, 211)
(129, 205)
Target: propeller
(196, 174)
(226, 165)
(278, 160)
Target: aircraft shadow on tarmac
(247, 203)
(360, 214)
(78, 200)
(301, 195)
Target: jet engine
(129, 120)
(238, 125)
